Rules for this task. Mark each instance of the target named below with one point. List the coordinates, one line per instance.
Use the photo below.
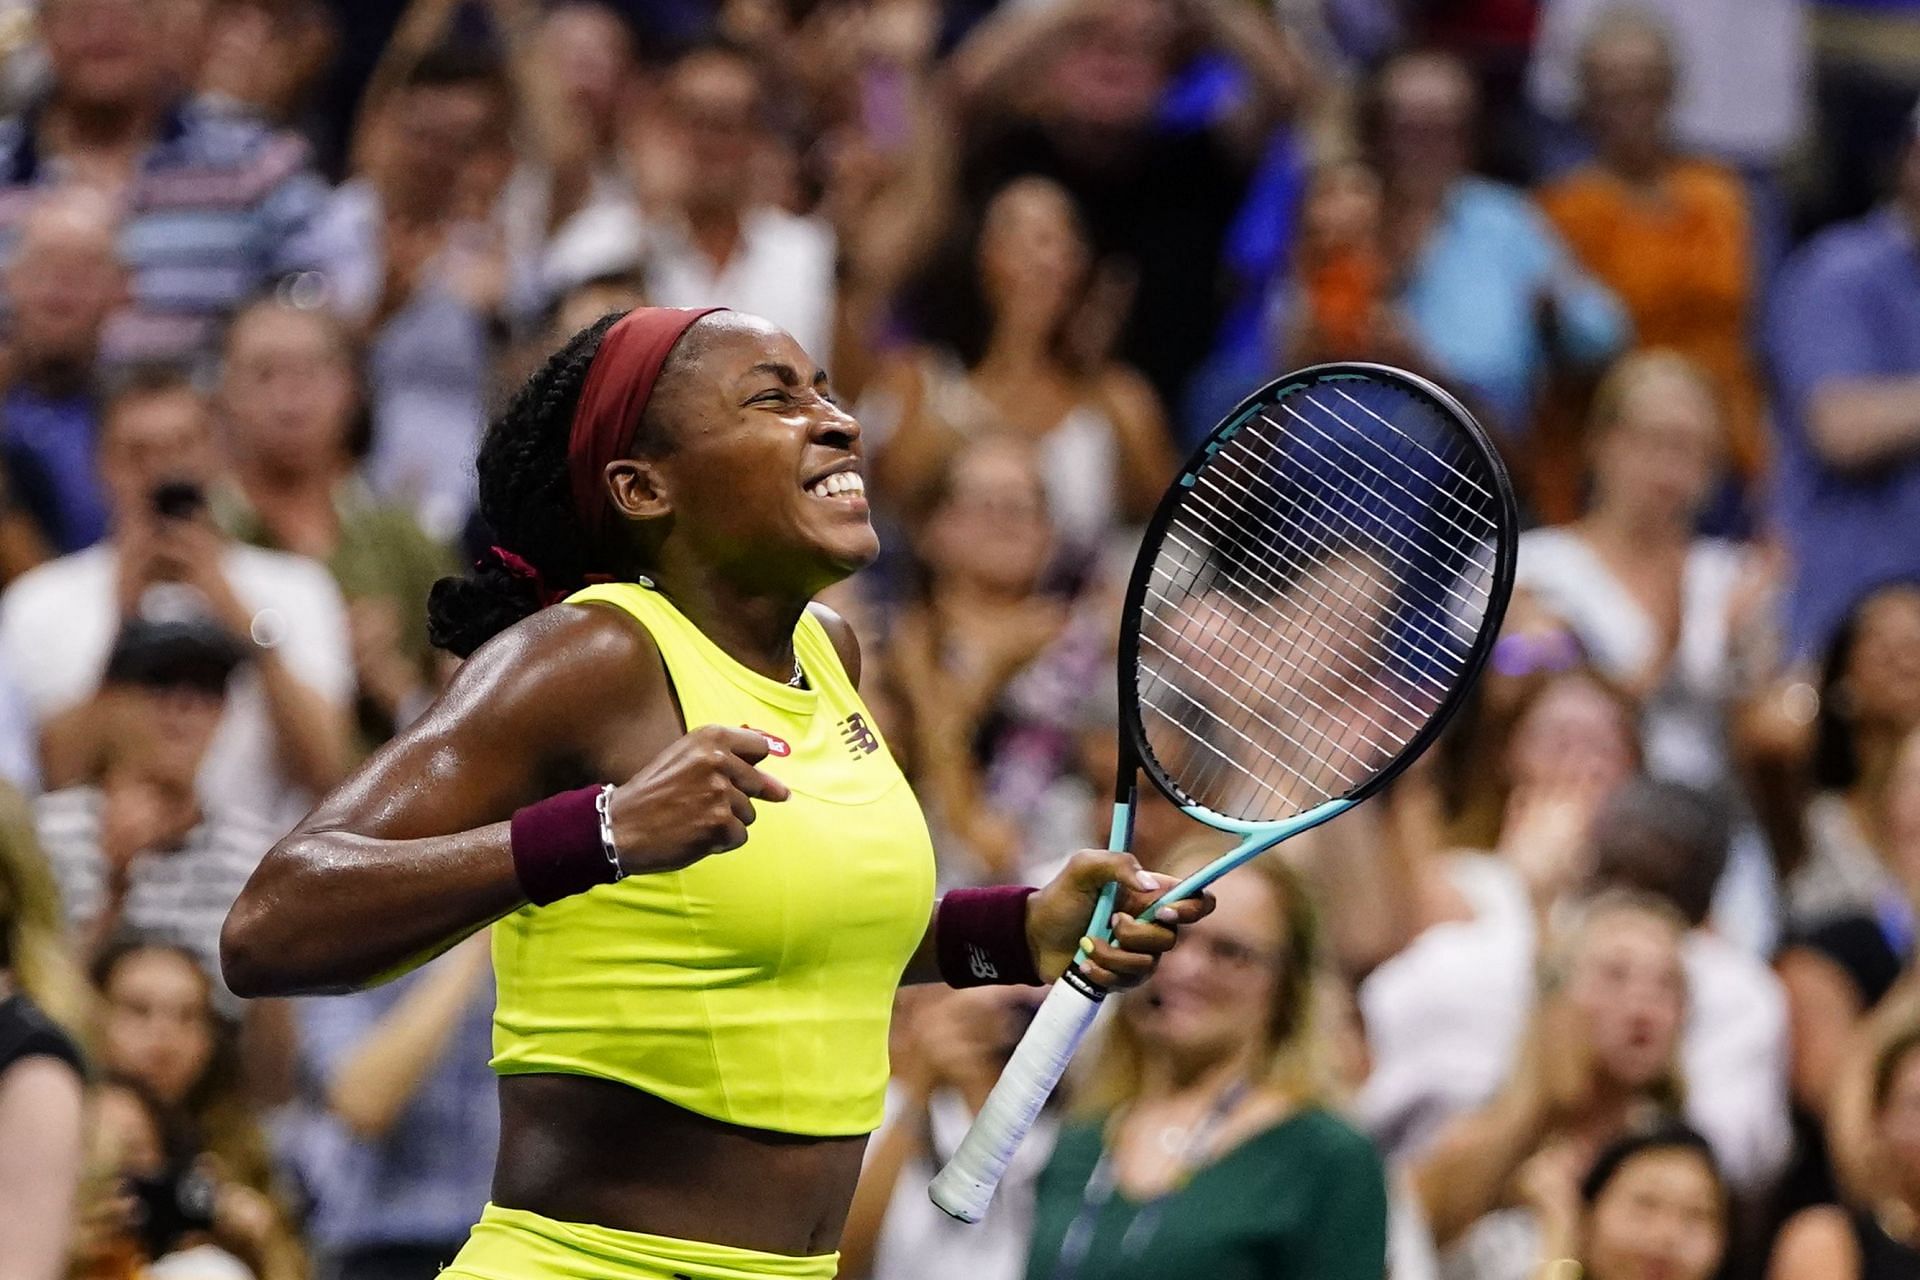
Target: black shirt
(1164, 202)
(25, 1032)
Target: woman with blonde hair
(1657, 608)
(42, 1004)
(1202, 1143)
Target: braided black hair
(526, 499)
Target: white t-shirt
(58, 623)
(782, 269)
(1446, 1016)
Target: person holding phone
(284, 736)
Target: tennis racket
(1312, 600)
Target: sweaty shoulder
(562, 677)
(845, 642)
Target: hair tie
(521, 567)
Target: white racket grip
(965, 1187)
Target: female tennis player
(696, 951)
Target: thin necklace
(798, 680)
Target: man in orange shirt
(1668, 233)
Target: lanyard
(1078, 1240)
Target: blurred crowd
(1618, 981)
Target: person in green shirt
(290, 405)
(1201, 1145)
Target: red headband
(620, 379)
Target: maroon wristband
(556, 847)
(980, 937)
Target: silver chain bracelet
(603, 805)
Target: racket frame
(1135, 754)
(964, 1187)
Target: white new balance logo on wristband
(978, 962)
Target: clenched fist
(695, 799)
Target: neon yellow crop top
(754, 986)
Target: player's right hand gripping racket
(1312, 600)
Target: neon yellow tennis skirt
(512, 1244)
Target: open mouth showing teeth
(841, 484)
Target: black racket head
(1315, 594)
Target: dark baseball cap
(193, 652)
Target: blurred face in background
(1661, 454)
(1427, 103)
(1881, 683)
(1213, 996)
(1033, 254)
(1114, 66)
(65, 278)
(1662, 1216)
(714, 104)
(288, 391)
(1627, 78)
(153, 437)
(1625, 975)
(991, 529)
(432, 136)
(107, 54)
(158, 1025)
(1575, 733)
(161, 731)
(587, 50)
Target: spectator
(42, 1005)
(1658, 609)
(136, 849)
(160, 1032)
(1869, 701)
(1874, 1239)
(62, 282)
(1600, 1056)
(401, 1171)
(1653, 1204)
(148, 1211)
(1075, 92)
(264, 59)
(215, 207)
(1004, 357)
(1744, 97)
(414, 264)
(991, 668)
(284, 735)
(570, 211)
(1671, 842)
(1843, 968)
(290, 403)
(951, 1049)
(1490, 289)
(716, 241)
(1845, 344)
(1668, 232)
(1204, 1146)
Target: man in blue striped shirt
(216, 207)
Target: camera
(178, 499)
(175, 1204)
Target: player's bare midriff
(578, 1149)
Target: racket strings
(1314, 599)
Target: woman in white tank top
(1019, 365)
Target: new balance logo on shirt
(859, 738)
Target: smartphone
(177, 1203)
(178, 499)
